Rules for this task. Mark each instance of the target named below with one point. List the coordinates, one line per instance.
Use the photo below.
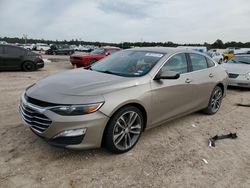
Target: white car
(42, 47)
(238, 68)
(218, 57)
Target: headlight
(75, 110)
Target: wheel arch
(221, 85)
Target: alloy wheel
(216, 100)
(127, 130)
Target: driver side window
(177, 63)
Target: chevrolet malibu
(112, 102)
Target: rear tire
(123, 130)
(28, 66)
(215, 101)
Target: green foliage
(217, 44)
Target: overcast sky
(182, 21)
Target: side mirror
(107, 53)
(167, 75)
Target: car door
(203, 78)
(173, 97)
(13, 57)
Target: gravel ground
(167, 156)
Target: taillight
(39, 56)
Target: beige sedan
(113, 101)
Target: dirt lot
(168, 156)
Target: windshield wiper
(111, 72)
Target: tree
(218, 44)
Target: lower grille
(231, 75)
(38, 122)
(71, 140)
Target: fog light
(71, 133)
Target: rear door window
(198, 62)
(210, 63)
(12, 50)
(177, 63)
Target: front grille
(231, 75)
(38, 122)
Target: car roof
(164, 50)
(11, 45)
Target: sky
(180, 21)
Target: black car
(17, 58)
(59, 50)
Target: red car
(83, 60)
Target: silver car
(238, 68)
(112, 102)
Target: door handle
(188, 81)
(211, 75)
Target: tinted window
(177, 63)
(198, 62)
(210, 63)
(14, 50)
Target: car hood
(237, 68)
(78, 86)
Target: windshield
(240, 59)
(98, 51)
(128, 63)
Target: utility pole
(25, 36)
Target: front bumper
(240, 81)
(94, 124)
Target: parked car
(83, 60)
(3, 42)
(238, 68)
(60, 50)
(26, 46)
(42, 47)
(218, 57)
(84, 49)
(17, 58)
(120, 96)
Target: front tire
(215, 101)
(124, 130)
